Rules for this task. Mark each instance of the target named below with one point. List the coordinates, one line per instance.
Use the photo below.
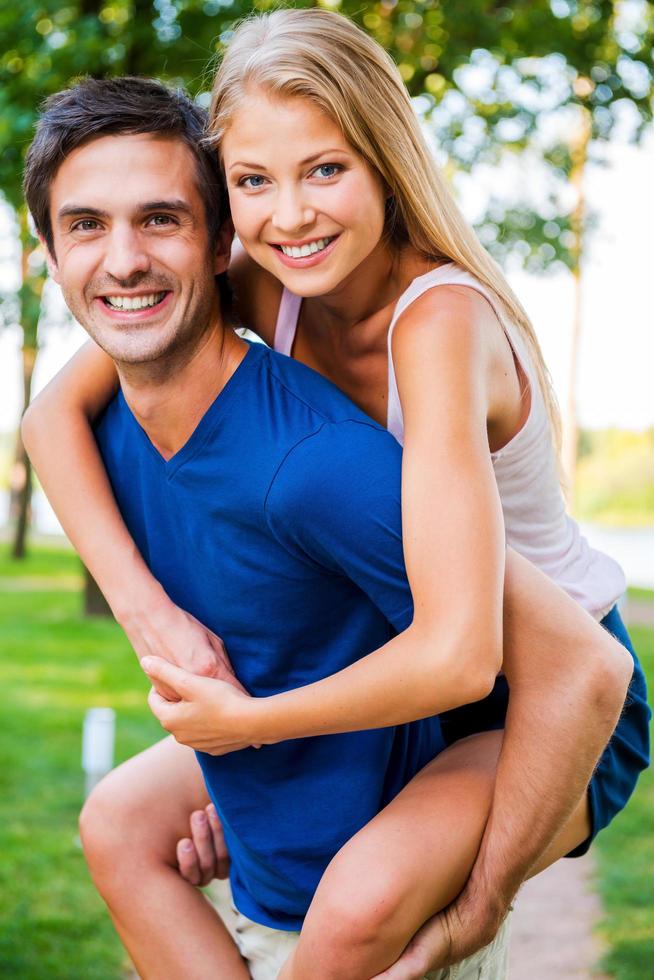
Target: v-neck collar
(207, 423)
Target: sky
(617, 348)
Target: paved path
(638, 612)
(552, 937)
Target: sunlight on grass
(55, 665)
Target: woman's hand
(207, 714)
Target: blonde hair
(322, 56)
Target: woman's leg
(130, 826)
(410, 860)
(407, 863)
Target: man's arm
(568, 680)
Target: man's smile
(134, 306)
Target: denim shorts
(622, 761)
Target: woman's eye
(252, 180)
(328, 170)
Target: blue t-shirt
(278, 525)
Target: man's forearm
(568, 680)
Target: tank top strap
(286, 325)
(449, 274)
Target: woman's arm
(57, 434)
(453, 542)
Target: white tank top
(535, 520)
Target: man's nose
(293, 211)
(126, 254)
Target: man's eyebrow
(302, 163)
(174, 205)
(77, 210)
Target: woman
(359, 264)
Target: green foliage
(615, 478)
(509, 63)
(625, 854)
(55, 666)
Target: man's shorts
(622, 761)
(266, 950)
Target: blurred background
(541, 116)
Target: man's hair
(115, 107)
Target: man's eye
(86, 224)
(252, 181)
(161, 220)
(327, 170)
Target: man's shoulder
(309, 388)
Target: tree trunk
(30, 298)
(21, 473)
(579, 154)
(95, 603)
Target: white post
(98, 744)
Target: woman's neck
(362, 305)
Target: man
(238, 473)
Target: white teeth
(134, 302)
(298, 252)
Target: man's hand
(203, 856)
(207, 714)
(164, 630)
(458, 931)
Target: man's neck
(169, 396)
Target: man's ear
(223, 247)
(50, 261)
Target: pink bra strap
(287, 317)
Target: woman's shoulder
(257, 294)
(441, 304)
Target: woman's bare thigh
(410, 861)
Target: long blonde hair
(322, 56)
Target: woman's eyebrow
(302, 163)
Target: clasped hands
(207, 708)
(207, 713)
(195, 694)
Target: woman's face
(305, 205)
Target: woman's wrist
(261, 719)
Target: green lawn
(54, 666)
(625, 859)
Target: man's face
(132, 252)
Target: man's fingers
(204, 846)
(220, 848)
(187, 861)
(166, 674)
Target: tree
(488, 73)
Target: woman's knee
(355, 925)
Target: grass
(55, 666)
(625, 864)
